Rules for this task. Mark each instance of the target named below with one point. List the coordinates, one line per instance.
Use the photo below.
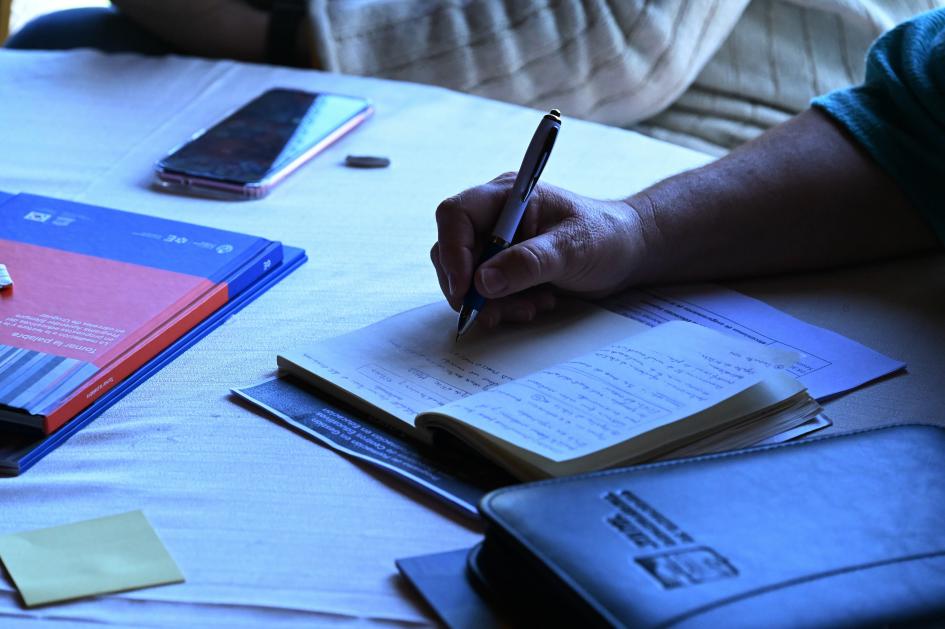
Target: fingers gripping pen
(539, 149)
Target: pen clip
(545, 153)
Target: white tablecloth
(268, 528)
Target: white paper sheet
(829, 363)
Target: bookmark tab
(104, 555)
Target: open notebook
(578, 390)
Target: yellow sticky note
(111, 554)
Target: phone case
(179, 182)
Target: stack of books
(101, 299)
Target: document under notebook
(579, 390)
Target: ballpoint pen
(539, 149)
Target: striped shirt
(709, 74)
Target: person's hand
(565, 242)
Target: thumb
(535, 261)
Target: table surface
(267, 526)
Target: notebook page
(615, 393)
(411, 362)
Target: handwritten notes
(563, 387)
(411, 362)
(618, 392)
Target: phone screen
(263, 136)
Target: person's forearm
(802, 196)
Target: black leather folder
(839, 531)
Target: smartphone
(261, 143)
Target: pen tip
(466, 318)
(556, 113)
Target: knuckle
(575, 241)
(448, 207)
(544, 192)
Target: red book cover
(96, 294)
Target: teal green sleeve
(898, 113)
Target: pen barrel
(510, 217)
(536, 157)
(473, 300)
(539, 149)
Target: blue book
(96, 310)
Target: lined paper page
(412, 362)
(615, 393)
